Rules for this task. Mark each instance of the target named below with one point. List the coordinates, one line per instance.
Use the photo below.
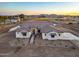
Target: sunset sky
(63, 8)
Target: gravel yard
(40, 47)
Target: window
(39, 31)
(53, 35)
(23, 33)
(59, 34)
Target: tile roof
(43, 25)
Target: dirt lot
(41, 48)
(46, 51)
(5, 28)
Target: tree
(21, 16)
(0, 19)
(4, 18)
(10, 17)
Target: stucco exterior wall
(44, 36)
(47, 36)
(19, 35)
(68, 36)
(62, 36)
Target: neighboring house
(12, 20)
(71, 18)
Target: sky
(34, 8)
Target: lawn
(42, 19)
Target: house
(12, 19)
(27, 28)
(47, 32)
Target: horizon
(36, 8)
